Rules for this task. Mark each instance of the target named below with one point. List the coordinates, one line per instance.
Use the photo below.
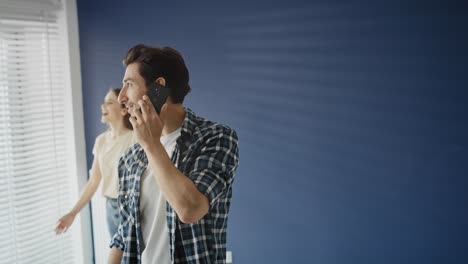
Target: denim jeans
(112, 214)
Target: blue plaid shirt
(207, 153)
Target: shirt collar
(190, 122)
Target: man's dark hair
(166, 62)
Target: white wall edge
(77, 145)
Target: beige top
(108, 152)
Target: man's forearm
(181, 193)
(115, 256)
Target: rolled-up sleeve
(117, 240)
(215, 165)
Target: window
(37, 181)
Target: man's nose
(122, 98)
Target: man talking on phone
(175, 184)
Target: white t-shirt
(153, 212)
(108, 152)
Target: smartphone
(158, 95)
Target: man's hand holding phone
(147, 118)
(147, 124)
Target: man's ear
(161, 81)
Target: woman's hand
(64, 223)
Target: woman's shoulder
(102, 136)
(100, 140)
(128, 139)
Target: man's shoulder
(209, 129)
(133, 153)
(133, 160)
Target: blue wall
(352, 118)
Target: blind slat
(22, 175)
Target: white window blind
(35, 184)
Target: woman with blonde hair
(108, 148)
